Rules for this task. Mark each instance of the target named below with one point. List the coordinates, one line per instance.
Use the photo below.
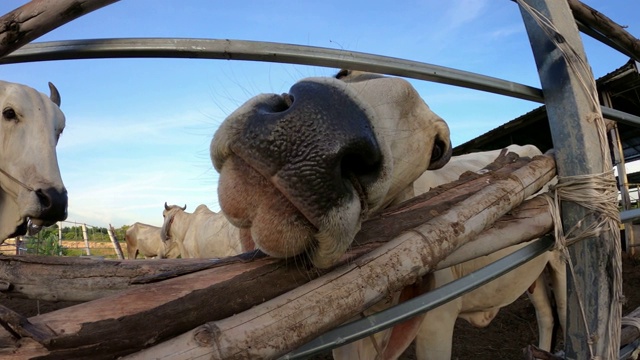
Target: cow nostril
(275, 104)
(288, 100)
(53, 204)
(45, 200)
(365, 165)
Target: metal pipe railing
(280, 53)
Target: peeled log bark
(607, 27)
(38, 17)
(119, 324)
(290, 320)
(83, 279)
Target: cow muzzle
(317, 147)
(52, 206)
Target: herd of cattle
(299, 172)
(201, 234)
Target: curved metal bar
(279, 53)
(377, 322)
(265, 51)
(627, 352)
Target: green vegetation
(46, 241)
(48, 245)
(75, 233)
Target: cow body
(145, 240)
(300, 171)
(201, 234)
(433, 331)
(31, 187)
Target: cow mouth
(279, 223)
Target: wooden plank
(116, 245)
(607, 27)
(38, 17)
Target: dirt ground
(513, 328)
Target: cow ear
(440, 154)
(54, 94)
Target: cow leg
(435, 336)
(544, 312)
(183, 250)
(558, 273)
(403, 334)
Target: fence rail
(281, 53)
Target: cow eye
(343, 73)
(9, 114)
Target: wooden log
(530, 220)
(83, 279)
(607, 27)
(118, 324)
(116, 245)
(288, 321)
(38, 17)
(86, 279)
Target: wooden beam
(607, 27)
(38, 17)
(119, 324)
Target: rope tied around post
(596, 192)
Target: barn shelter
(619, 90)
(621, 87)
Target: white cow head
(169, 214)
(299, 172)
(30, 183)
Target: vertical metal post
(576, 144)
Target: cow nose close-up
(54, 204)
(306, 147)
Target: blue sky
(138, 130)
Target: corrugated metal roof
(623, 86)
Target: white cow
(433, 331)
(201, 234)
(299, 172)
(30, 183)
(145, 240)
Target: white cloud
(460, 12)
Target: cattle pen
(576, 121)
